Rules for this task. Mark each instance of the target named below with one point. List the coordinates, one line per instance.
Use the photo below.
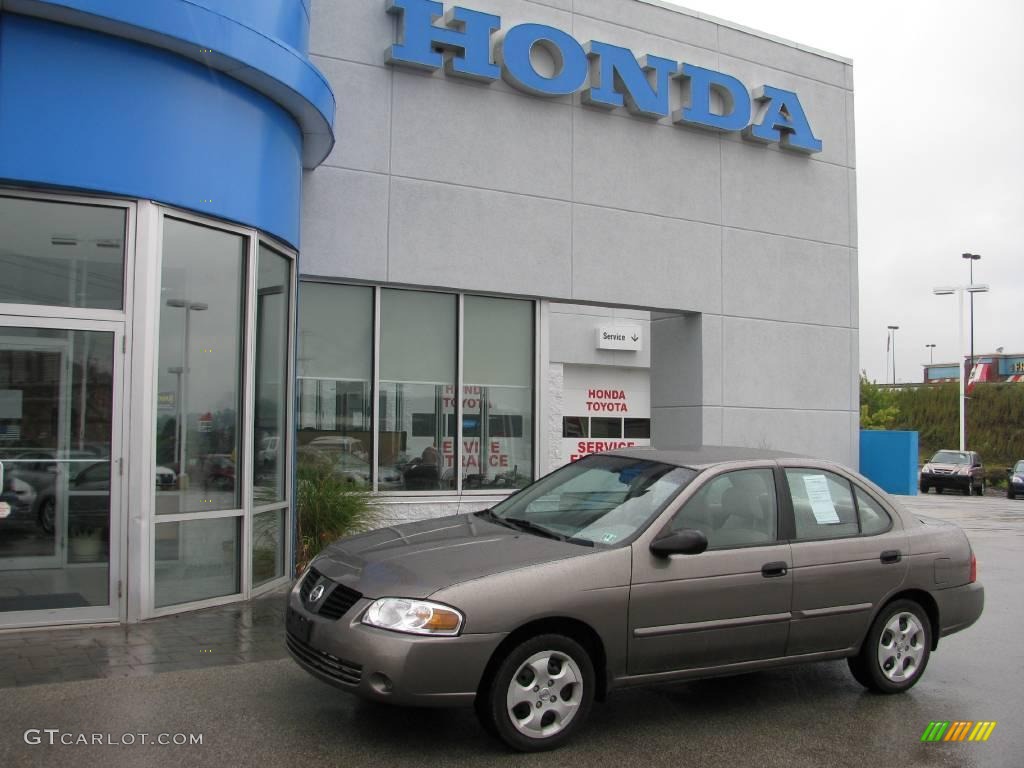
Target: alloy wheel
(901, 647)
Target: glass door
(60, 471)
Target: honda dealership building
(439, 248)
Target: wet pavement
(268, 712)
(232, 634)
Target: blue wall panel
(86, 110)
(889, 458)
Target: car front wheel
(1010, 494)
(540, 694)
(896, 649)
(924, 487)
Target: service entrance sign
(620, 337)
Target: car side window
(734, 509)
(873, 517)
(823, 506)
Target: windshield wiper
(489, 515)
(526, 525)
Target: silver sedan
(629, 568)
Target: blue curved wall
(123, 101)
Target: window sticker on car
(820, 497)
(608, 538)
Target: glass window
(873, 517)
(733, 510)
(335, 369)
(196, 560)
(822, 504)
(605, 427)
(61, 254)
(56, 422)
(268, 550)
(200, 368)
(497, 394)
(271, 404)
(597, 500)
(417, 376)
(575, 426)
(637, 429)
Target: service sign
(620, 337)
(473, 45)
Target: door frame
(114, 610)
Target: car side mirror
(686, 542)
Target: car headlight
(964, 470)
(417, 617)
(926, 468)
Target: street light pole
(189, 307)
(959, 291)
(972, 257)
(892, 330)
(931, 353)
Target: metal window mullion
(290, 512)
(375, 392)
(460, 357)
(246, 458)
(541, 350)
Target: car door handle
(891, 556)
(772, 570)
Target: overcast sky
(939, 90)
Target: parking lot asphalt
(269, 712)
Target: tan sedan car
(628, 568)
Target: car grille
(339, 598)
(942, 471)
(345, 672)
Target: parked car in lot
(954, 470)
(1015, 482)
(633, 567)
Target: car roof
(700, 457)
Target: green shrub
(329, 507)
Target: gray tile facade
(441, 182)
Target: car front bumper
(946, 481)
(387, 666)
(959, 607)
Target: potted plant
(85, 544)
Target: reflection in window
(575, 426)
(196, 560)
(268, 550)
(497, 397)
(637, 429)
(271, 439)
(335, 370)
(417, 378)
(199, 368)
(61, 254)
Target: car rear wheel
(540, 694)
(47, 515)
(896, 649)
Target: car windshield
(951, 457)
(600, 500)
(1019, 468)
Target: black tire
(866, 666)
(925, 488)
(47, 514)
(1010, 494)
(980, 490)
(491, 703)
(966, 491)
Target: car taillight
(974, 568)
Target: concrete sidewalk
(230, 634)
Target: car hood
(417, 559)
